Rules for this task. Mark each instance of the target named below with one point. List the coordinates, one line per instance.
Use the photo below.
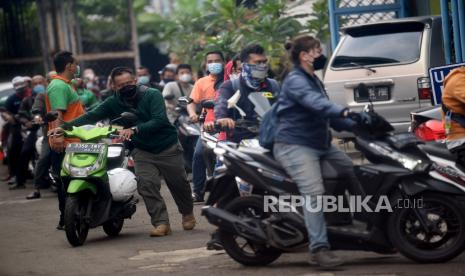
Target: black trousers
(26, 155)
(15, 144)
(57, 159)
(41, 179)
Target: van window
(381, 46)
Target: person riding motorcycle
(303, 137)
(453, 107)
(252, 79)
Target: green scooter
(89, 172)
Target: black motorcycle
(426, 223)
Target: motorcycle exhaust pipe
(248, 228)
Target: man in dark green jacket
(157, 150)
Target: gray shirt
(178, 90)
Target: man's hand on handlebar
(209, 126)
(226, 123)
(126, 134)
(194, 118)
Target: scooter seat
(267, 159)
(263, 157)
(439, 150)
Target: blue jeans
(302, 163)
(199, 175)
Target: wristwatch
(135, 129)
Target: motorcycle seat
(266, 158)
(439, 150)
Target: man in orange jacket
(453, 106)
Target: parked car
(6, 89)
(392, 58)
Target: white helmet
(123, 184)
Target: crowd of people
(304, 116)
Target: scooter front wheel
(76, 227)
(444, 236)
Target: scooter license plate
(85, 148)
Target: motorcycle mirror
(169, 97)
(51, 116)
(129, 117)
(209, 104)
(184, 100)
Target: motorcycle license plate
(85, 148)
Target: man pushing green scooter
(156, 153)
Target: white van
(392, 58)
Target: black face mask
(320, 62)
(21, 91)
(128, 91)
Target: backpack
(268, 127)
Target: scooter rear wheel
(240, 249)
(445, 238)
(76, 227)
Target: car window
(378, 48)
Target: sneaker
(61, 224)
(161, 230)
(325, 258)
(16, 187)
(214, 243)
(197, 199)
(188, 222)
(33, 195)
(12, 180)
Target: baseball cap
(19, 82)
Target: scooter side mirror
(129, 117)
(51, 116)
(208, 104)
(185, 100)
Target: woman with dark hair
(303, 138)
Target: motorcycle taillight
(431, 130)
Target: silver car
(392, 59)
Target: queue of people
(157, 151)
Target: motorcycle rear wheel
(76, 227)
(441, 244)
(240, 249)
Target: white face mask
(185, 77)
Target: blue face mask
(144, 80)
(38, 89)
(215, 68)
(89, 85)
(254, 74)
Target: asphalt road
(30, 245)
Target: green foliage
(195, 29)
